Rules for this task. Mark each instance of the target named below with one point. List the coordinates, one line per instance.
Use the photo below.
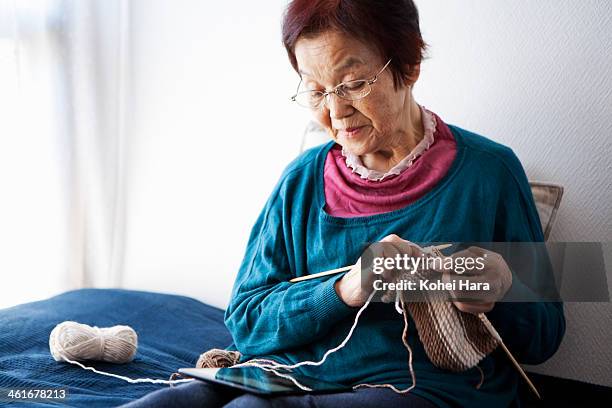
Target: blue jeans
(203, 394)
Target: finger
(477, 251)
(397, 246)
(463, 263)
(391, 238)
(440, 264)
(474, 307)
(473, 297)
(403, 245)
(409, 248)
(401, 249)
(474, 288)
(388, 296)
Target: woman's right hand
(353, 289)
(349, 288)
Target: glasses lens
(309, 99)
(354, 90)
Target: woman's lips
(350, 132)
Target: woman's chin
(354, 148)
(355, 145)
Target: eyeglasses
(350, 90)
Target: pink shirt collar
(348, 195)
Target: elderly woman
(394, 171)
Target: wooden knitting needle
(495, 334)
(487, 323)
(347, 268)
(318, 275)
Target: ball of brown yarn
(217, 358)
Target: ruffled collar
(429, 126)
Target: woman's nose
(338, 107)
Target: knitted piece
(453, 340)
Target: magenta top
(349, 195)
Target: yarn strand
(128, 379)
(272, 366)
(412, 374)
(327, 353)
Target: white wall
(211, 128)
(537, 76)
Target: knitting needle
(347, 268)
(318, 275)
(487, 323)
(495, 334)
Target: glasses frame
(335, 89)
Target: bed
(173, 331)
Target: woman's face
(375, 123)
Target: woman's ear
(413, 75)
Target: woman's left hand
(495, 272)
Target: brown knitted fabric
(453, 340)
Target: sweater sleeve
(531, 330)
(267, 314)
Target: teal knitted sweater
(484, 197)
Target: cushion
(547, 198)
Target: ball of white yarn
(77, 342)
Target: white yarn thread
(256, 363)
(131, 380)
(272, 366)
(71, 341)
